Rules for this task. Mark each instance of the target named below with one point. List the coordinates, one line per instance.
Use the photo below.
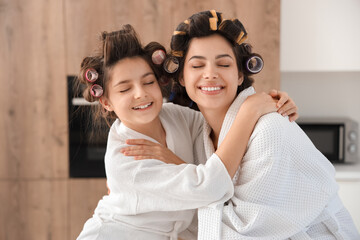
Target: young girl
(150, 199)
(285, 188)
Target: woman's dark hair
(205, 24)
(114, 47)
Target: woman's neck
(215, 119)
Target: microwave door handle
(341, 143)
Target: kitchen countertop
(349, 171)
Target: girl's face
(133, 93)
(210, 73)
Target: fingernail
(281, 112)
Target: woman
(285, 188)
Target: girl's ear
(182, 82)
(106, 104)
(241, 78)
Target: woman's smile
(211, 90)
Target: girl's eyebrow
(128, 80)
(121, 82)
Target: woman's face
(133, 93)
(210, 73)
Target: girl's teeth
(142, 107)
(210, 88)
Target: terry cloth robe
(153, 200)
(284, 189)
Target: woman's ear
(241, 78)
(106, 104)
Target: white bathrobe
(284, 189)
(153, 200)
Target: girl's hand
(258, 104)
(145, 149)
(286, 105)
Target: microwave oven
(336, 138)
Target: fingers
(288, 108)
(284, 97)
(140, 142)
(293, 117)
(291, 112)
(273, 93)
(137, 150)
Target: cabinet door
(350, 195)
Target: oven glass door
(86, 148)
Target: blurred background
(311, 50)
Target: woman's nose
(210, 73)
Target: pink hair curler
(96, 91)
(158, 57)
(91, 75)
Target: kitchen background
(311, 50)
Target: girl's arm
(234, 144)
(233, 147)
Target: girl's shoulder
(176, 110)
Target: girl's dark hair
(114, 47)
(199, 25)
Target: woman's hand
(145, 149)
(286, 105)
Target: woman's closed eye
(150, 82)
(223, 64)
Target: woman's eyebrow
(197, 57)
(222, 56)
(147, 74)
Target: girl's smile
(134, 93)
(143, 107)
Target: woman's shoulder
(272, 124)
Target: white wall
(320, 69)
(320, 35)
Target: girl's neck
(154, 130)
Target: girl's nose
(140, 92)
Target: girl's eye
(197, 66)
(125, 90)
